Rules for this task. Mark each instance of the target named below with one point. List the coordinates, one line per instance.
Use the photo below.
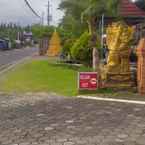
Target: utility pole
(42, 19)
(49, 17)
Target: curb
(113, 100)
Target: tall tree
(90, 11)
(95, 10)
(72, 18)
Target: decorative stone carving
(119, 36)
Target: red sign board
(88, 81)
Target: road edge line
(112, 100)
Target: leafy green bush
(81, 50)
(67, 45)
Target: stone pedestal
(141, 66)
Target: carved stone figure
(119, 36)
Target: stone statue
(119, 36)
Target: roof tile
(127, 8)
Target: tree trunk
(93, 43)
(95, 61)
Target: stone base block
(120, 81)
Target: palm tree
(72, 18)
(91, 14)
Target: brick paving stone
(53, 120)
(25, 143)
(40, 115)
(71, 127)
(122, 136)
(62, 140)
(54, 125)
(141, 141)
(7, 142)
(53, 142)
(81, 141)
(69, 143)
(34, 143)
(119, 140)
(69, 121)
(48, 128)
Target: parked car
(4, 44)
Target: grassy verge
(42, 76)
(49, 76)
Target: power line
(34, 12)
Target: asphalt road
(7, 57)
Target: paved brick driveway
(42, 120)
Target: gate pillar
(141, 66)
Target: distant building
(28, 37)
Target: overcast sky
(16, 11)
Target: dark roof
(129, 9)
(129, 12)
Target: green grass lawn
(48, 76)
(42, 76)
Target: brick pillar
(141, 66)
